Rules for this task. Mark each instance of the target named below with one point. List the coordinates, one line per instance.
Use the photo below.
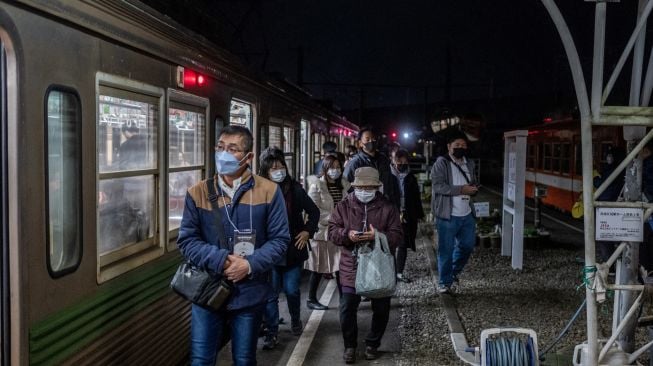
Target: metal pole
(586, 140)
(629, 46)
(648, 86)
(597, 64)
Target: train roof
(141, 27)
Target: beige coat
(324, 256)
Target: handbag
(196, 284)
(375, 275)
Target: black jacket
(381, 163)
(413, 210)
(299, 204)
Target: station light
(406, 135)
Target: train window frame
(177, 99)
(565, 158)
(79, 251)
(114, 263)
(531, 156)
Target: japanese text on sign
(619, 224)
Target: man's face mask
(226, 163)
(370, 146)
(459, 152)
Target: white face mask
(278, 175)
(334, 173)
(363, 195)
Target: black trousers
(349, 323)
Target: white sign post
(514, 180)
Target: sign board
(619, 224)
(512, 167)
(511, 192)
(482, 209)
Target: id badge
(245, 242)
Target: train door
(4, 258)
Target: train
(109, 111)
(554, 159)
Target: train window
(241, 113)
(565, 157)
(547, 157)
(127, 133)
(264, 136)
(186, 149)
(530, 156)
(578, 164)
(289, 148)
(555, 160)
(275, 137)
(64, 180)
(540, 156)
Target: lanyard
(365, 219)
(251, 228)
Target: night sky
(498, 49)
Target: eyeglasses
(230, 149)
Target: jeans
(207, 329)
(289, 277)
(456, 240)
(349, 322)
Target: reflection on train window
(128, 125)
(126, 134)
(63, 172)
(241, 113)
(275, 136)
(126, 213)
(185, 138)
(179, 184)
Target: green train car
(109, 112)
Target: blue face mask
(226, 163)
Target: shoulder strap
(459, 168)
(213, 198)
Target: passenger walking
(370, 156)
(410, 208)
(328, 147)
(453, 184)
(354, 222)
(326, 191)
(255, 218)
(287, 272)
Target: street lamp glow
(406, 135)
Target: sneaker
(270, 342)
(315, 305)
(402, 278)
(444, 289)
(371, 353)
(349, 356)
(296, 327)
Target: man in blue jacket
(241, 244)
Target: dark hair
(363, 130)
(245, 133)
(132, 128)
(352, 149)
(456, 135)
(267, 159)
(329, 146)
(338, 155)
(402, 153)
(328, 163)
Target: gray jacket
(442, 189)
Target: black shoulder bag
(196, 284)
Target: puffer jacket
(349, 215)
(319, 193)
(199, 239)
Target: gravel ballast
(543, 296)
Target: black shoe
(270, 342)
(371, 353)
(296, 327)
(350, 355)
(315, 305)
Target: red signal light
(394, 135)
(548, 120)
(201, 80)
(191, 79)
